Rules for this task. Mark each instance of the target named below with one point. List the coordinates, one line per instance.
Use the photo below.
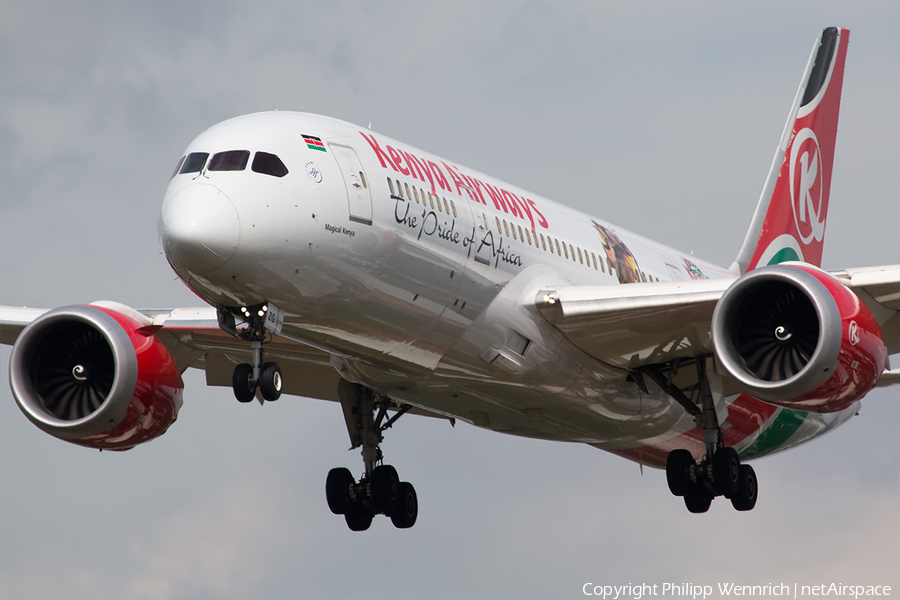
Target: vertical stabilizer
(789, 223)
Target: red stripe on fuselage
(746, 416)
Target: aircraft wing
(879, 289)
(641, 324)
(193, 338)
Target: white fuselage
(409, 271)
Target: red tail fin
(789, 223)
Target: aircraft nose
(199, 228)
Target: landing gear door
(359, 197)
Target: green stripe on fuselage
(780, 429)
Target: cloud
(660, 118)
(221, 544)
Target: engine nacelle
(94, 377)
(794, 336)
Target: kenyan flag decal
(313, 143)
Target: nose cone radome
(199, 228)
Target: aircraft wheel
(270, 382)
(678, 466)
(337, 490)
(697, 502)
(244, 390)
(745, 496)
(385, 488)
(726, 468)
(407, 509)
(358, 517)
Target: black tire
(337, 490)
(678, 466)
(748, 490)
(244, 391)
(385, 486)
(407, 509)
(270, 382)
(358, 517)
(697, 502)
(726, 467)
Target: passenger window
(362, 177)
(268, 164)
(447, 207)
(566, 250)
(499, 229)
(594, 258)
(550, 241)
(178, 166)
(416, 194)
(453, 206)
(528, 234)
(514, 231)
(609, 264)
(544, 244)
(399, 189)
(573, 252)
(558, 251)
(580, 259)
(521, 235)
(431, 201)
(391, 185)
(194, 162)
(233, 160)
(408, 195)
(505, 228)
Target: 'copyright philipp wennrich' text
(695, 592)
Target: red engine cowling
(94, 377)
(794, 336)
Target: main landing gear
(379, 490)
(261, 320)
(719, 472)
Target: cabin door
(359, 197)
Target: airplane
(337, 263)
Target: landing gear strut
(719, 472)
(261, 320)
(379, 490)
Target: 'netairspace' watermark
(698, 592)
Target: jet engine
(796, 337)
(95, 377)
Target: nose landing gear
(261, 319)
(379, 490)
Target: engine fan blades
(73, 371)
(777, 332)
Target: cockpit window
(233, 160)
(194, 162)
(178, 166)
(268, 164)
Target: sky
(659, 117)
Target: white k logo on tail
(806, 187)
(789, 224)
